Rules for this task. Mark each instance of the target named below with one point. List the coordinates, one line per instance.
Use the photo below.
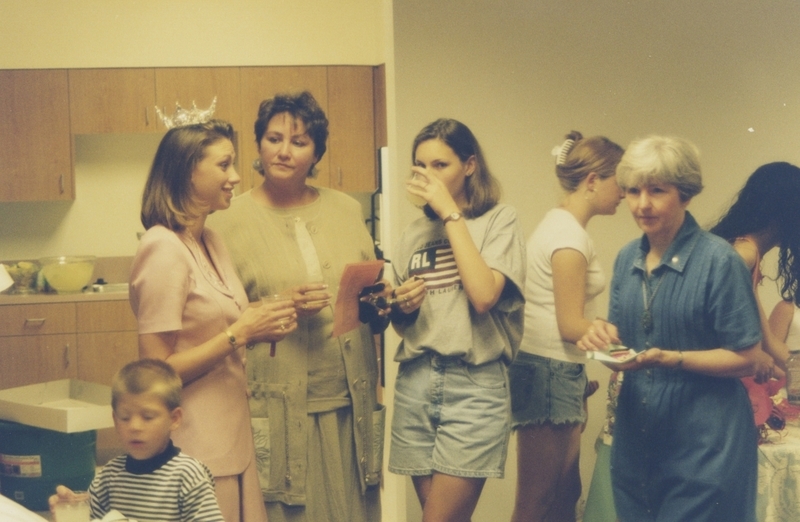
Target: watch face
(455, 216)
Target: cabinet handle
(61, 183)
(340, 176)
(37, 322)
(66, 356)
(146, 117)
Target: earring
(589, 191)
(257, 166)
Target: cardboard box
(67, 405)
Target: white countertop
(23, 299)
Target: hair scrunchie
(560, 152)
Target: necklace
(204, 264)
(647, 315)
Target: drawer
(105, 316)
(37, 319)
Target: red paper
(354, 278)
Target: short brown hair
(300, 106)
(167, 198)
(148, 376)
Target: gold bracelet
(680, 361)
(231, 338)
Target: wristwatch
(455, 216)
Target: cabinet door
(102, 354)
(37, 358)
(107, 339)
(353, 161)
(36, 155)
(200, 85)
(262, 83)
(112, 100)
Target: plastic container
(33, 461)
(793, 378)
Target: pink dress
(173, 290)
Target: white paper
(613, 358)
(355, 277)
(5, 279)
(10, 511)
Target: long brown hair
(481, 188)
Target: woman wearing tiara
(548, 378)
(193, 312)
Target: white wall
(523, 73)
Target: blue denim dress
(685, 445)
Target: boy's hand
(62, 493)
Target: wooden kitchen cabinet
(84, 340)
(185, 85)
(37, 344)
(36, 155)
(112, 100)
(353, 154)
(346, 94)
(107, 339)
(37, 358)
(59, 104)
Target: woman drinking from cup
(459, 310)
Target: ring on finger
(305, 306)
(283, 326)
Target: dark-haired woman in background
(766, 215)
(459, 308)
(313, 404)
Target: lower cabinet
(88, 340)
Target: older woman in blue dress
(684, 441)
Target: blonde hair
(596, 154)
(147, 376)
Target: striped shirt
(181, 490)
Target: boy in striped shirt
(154, 480)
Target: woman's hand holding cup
(310, 298)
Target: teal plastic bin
(33, 461)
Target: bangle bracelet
(231, 338)
(680, 361)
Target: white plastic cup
(74, 509)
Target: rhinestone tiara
(191, 116)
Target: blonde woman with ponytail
(548, 378)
